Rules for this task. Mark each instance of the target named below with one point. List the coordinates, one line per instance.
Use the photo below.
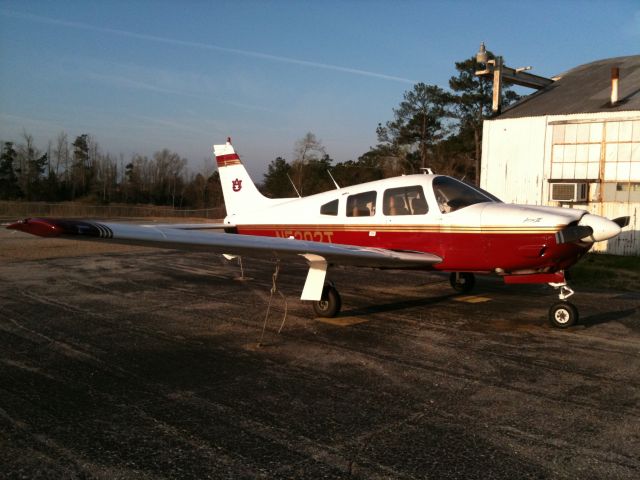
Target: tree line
(431, 128)
(80, 171)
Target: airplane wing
(318, 255)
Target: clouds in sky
(145, 75)
(199, 45)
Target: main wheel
(462, 282)
(563, 315)
(329, 305)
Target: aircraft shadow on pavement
(398, 305)
(605, 317)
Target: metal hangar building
(574, 143)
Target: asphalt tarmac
(135, 363)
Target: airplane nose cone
(603, 228)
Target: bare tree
(167, 168)
(32, 165)
(307, 149)
(61, 156)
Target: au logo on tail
(237, 185)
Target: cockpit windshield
(452, 194)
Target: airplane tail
(239, 191)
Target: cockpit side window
(404, 201)
(361, 204)
(330, 208)
(452, 194)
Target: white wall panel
(513, 159)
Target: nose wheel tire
(329, 305)
(563, 315)
(462, 282)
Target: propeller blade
(621, 221)
(573, 233)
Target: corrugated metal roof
(584, 89)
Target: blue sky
(140, 76)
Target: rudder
(239, 191)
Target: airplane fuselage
(477, 233)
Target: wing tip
(40, 227)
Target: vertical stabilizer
(240, 193)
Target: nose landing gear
(563, 314)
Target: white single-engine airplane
(421, 221)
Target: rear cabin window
(404, 201)
(361, 205)
(330, 208)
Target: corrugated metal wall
(628, 242)
(517, 164)
(513, 159)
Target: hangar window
(361, 204)
(330, 208)
(607, 151)
(404, 201)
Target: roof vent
(615, 77)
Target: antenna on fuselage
(294, 186)
(334, 180)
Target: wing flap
(191, 226)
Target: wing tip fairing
(37, 226)
(55, 227)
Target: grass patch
(598, 270)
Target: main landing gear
(462, 282)
(329, 304)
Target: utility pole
(501, 73)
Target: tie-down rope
(274, 289)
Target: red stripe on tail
(226, 160)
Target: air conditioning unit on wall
(569, 192)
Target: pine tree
(9, 187)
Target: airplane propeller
(573, 233)
(621, 221)
(591, 228)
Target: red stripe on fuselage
(468, 251)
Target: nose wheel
(563, 314)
